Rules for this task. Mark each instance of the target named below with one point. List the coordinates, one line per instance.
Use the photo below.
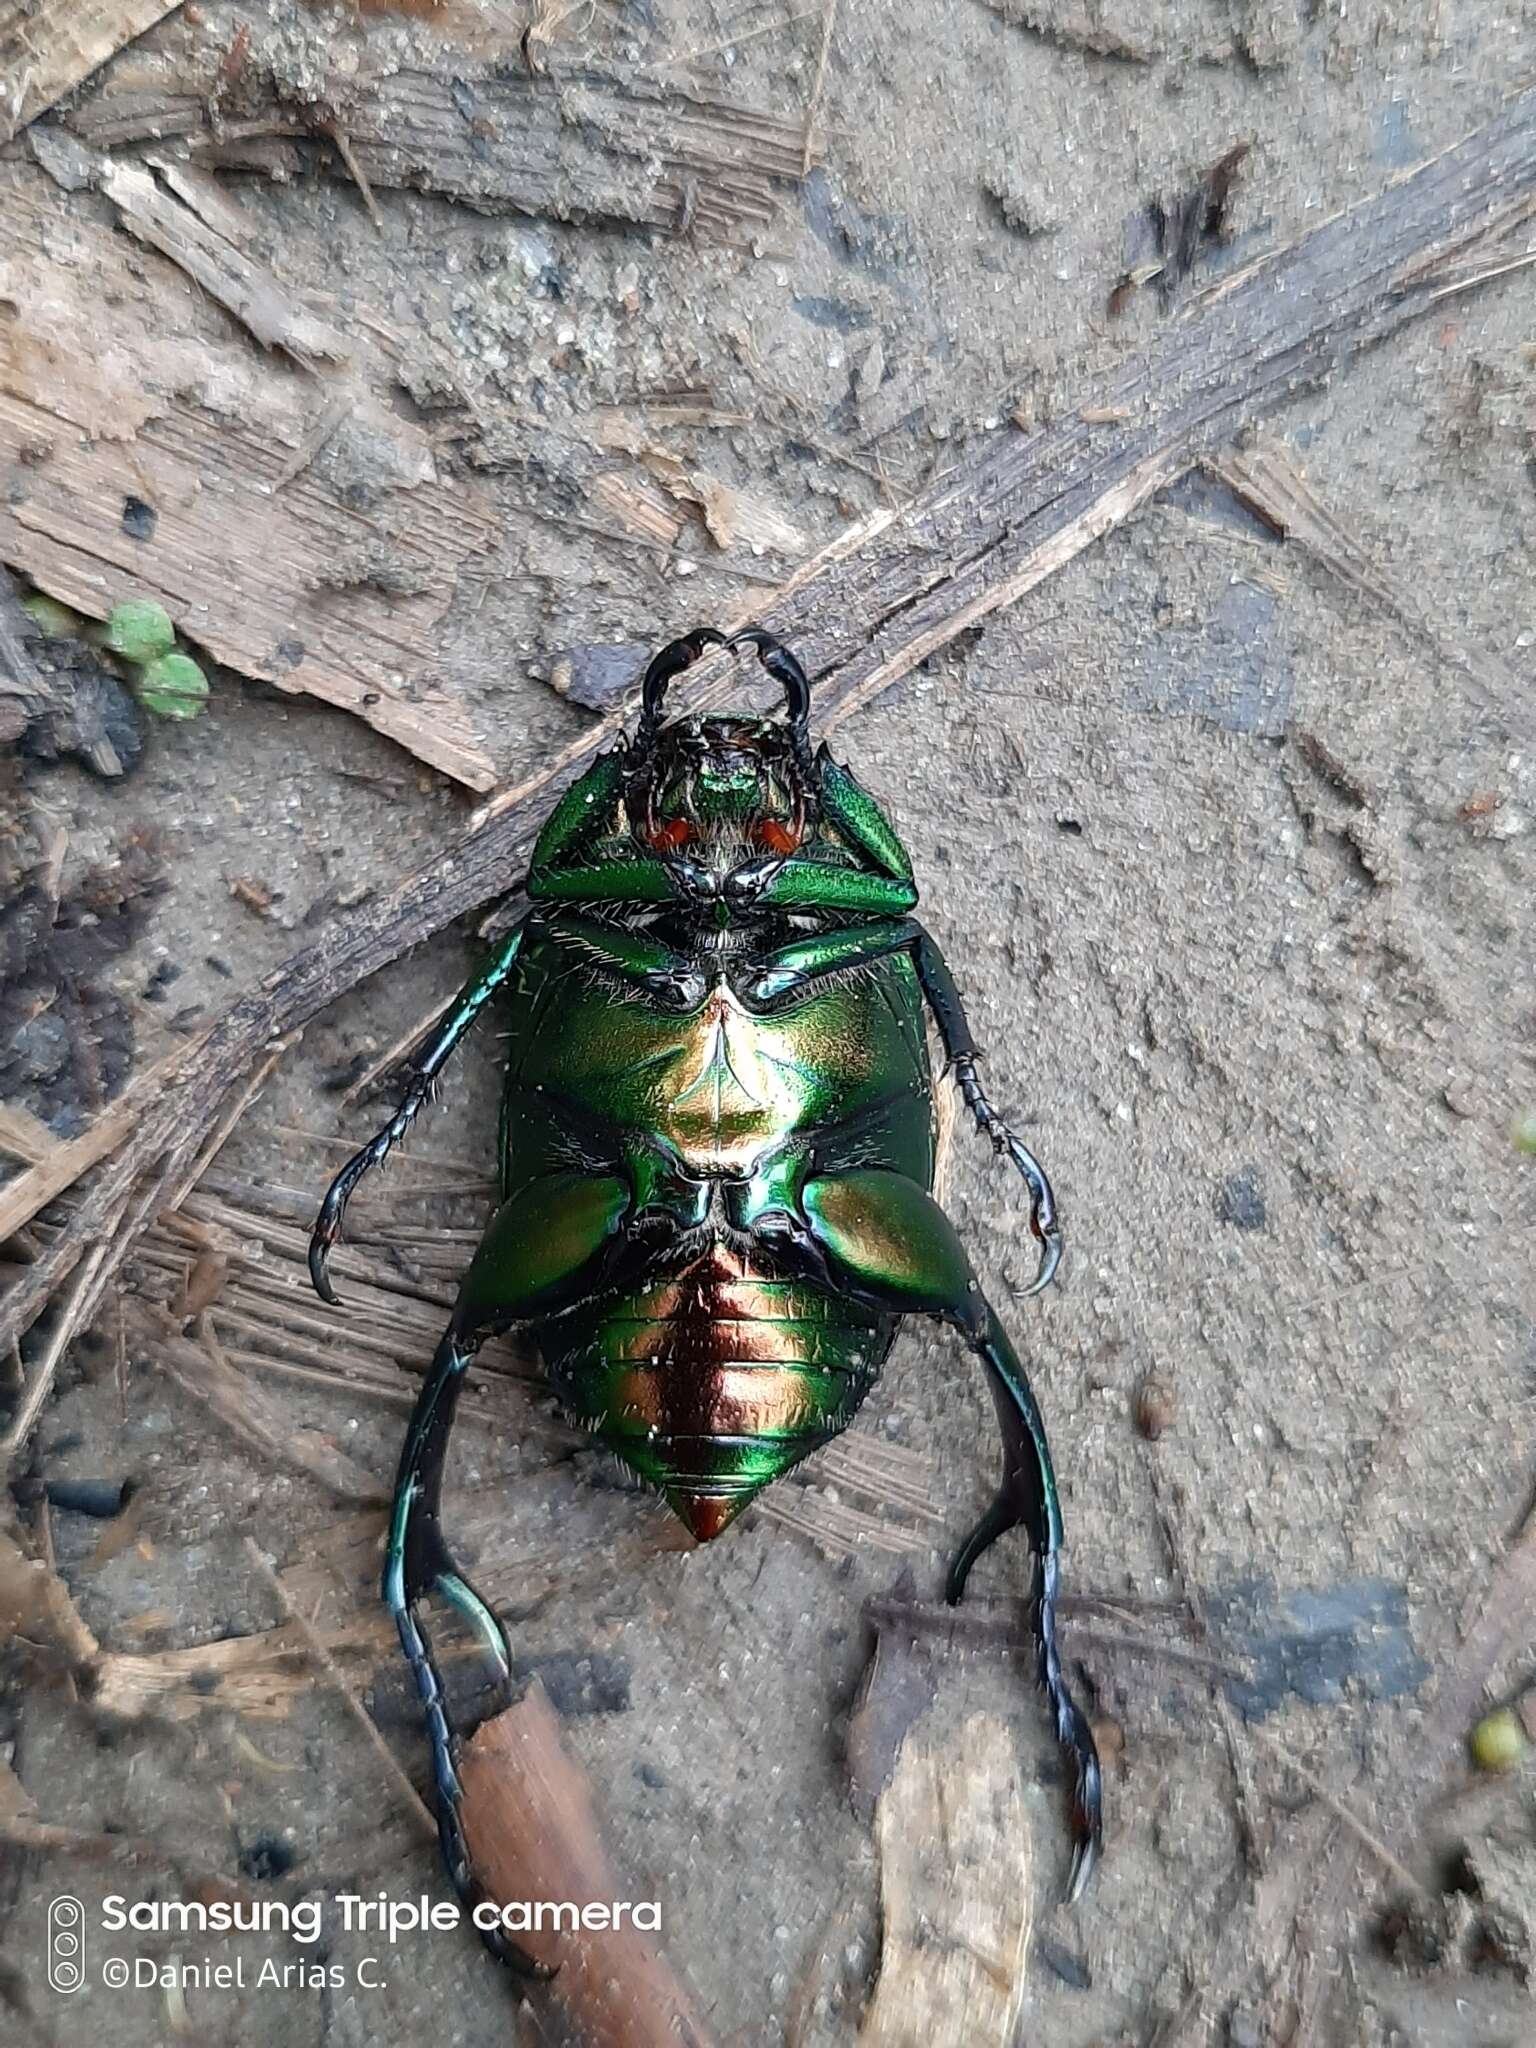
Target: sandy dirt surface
(1234, 867)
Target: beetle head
(732, 784)
(721, 788)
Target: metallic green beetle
(717, 1156)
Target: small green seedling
(140, 630)
(173, 687)
(141, 639)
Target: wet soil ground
(1235, 871)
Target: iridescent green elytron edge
(717, 1156)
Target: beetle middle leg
(882, 1239)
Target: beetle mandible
(717, 1158)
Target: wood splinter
(532, 1833)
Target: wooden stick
(493, 139)
(76, 1317)
(65, 1162)
(880, 599)
(533, 1836)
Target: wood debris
(1192, 220)
(638, 504)
(182, 213)
(1269, 483)
(202, 1370)
(256, 1675)
(532, 1832)
(728, 514)
(956, 1889)
(611, 151)
(48, 46)
(25, 1136)
(203, 434)
(899, 1685)
(35, 1605)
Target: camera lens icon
(66, 1944)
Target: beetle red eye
(776, 836)
(669, 837)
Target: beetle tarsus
(333, 1209)
(1042, 1203)
(1027, 1497)
(448, 1790)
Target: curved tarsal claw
(1087, 1811)
(320, 1271)
(1084, 1857)
(1050, 1257)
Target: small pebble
(1109, 1739)
(1155, 1408)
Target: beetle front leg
(428, 1065)
(960, 1050)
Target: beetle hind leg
(1027, 1496)
(886, 1241)
(418, 1564)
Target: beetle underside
(717, 1160)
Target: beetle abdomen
(711, 1383)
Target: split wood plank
(880, 599)
(273, 572)
(956, 1889)
(585, 147)
(203, 234)
(48, 46)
